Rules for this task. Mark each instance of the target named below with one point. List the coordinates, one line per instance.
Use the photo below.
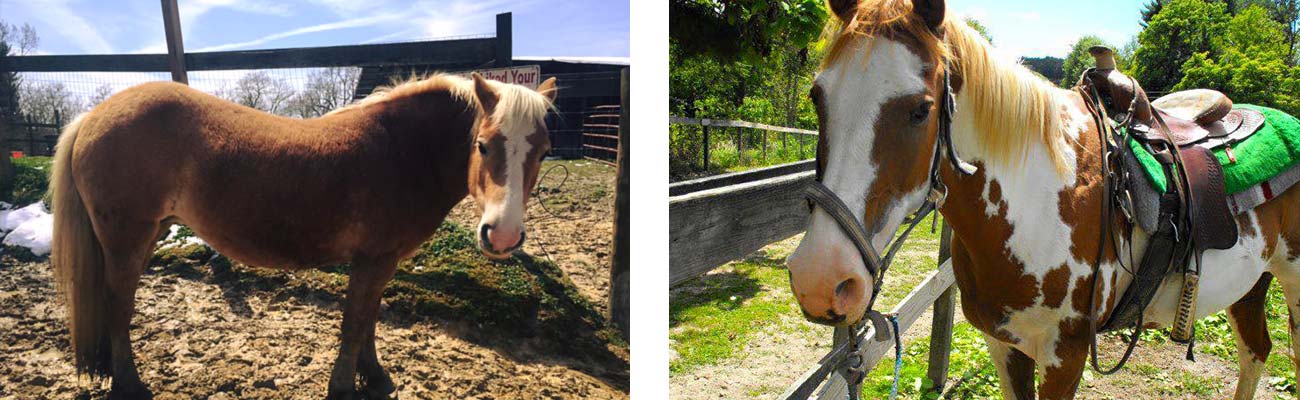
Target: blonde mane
(521, 104)
(1010, 104)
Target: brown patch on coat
(992, 283)
(1062, 381)
(1057, 277)
(1250, 319)
(1279, 219)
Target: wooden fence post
(941, 324)
(175, 45)
(740, 146)
(619, 278)
(706, 147)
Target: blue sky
(1036, 28)
(541, 27)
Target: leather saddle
(1193, 122)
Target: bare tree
(261, 91)
(326, 90)
(101, 93)
(22, 39)
(48, 102)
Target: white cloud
(345, 24)
(61, 14)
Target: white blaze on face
(505, 213)
(855, 88)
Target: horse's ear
(547, 88)
(930, 11)
(487, 98)
(844, 9)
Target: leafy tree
(979, 27)
(1181, 29)
(1051, 68)
(1079, 59)
(1251, 66)
(746, 29)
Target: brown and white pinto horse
(1026, 224)
(366, 185)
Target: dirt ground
(579, 235)
(226, 335)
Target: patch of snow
(10, 220)
(30, 227)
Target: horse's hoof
(130, 392)
(341, 395)
(380, 390)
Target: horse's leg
(1249, 327)
(1288, 275)
(377, 383)
(126, 250)
(1061, 381)
(365, 287)
(1015, 370)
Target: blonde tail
(78, 263)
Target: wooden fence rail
(722, 218)
(739, 137)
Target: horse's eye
(482, 148)
(922, 112)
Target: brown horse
(365, 184)
(1026, 224)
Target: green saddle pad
(1272, 150)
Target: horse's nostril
(844, 287)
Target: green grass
(31, 180)
(686, 154)
(713, 317)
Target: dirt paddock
(207, 330)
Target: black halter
(851, 354)
(823, 197)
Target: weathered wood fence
(726, 217)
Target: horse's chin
(496, 256)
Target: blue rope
(898, 357)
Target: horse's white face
(877, 118)
(512, 140)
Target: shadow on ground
(523, 308)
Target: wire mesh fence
(703, 147)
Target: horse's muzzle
(485, 245)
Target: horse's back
(262, 188)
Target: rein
(821, 196)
